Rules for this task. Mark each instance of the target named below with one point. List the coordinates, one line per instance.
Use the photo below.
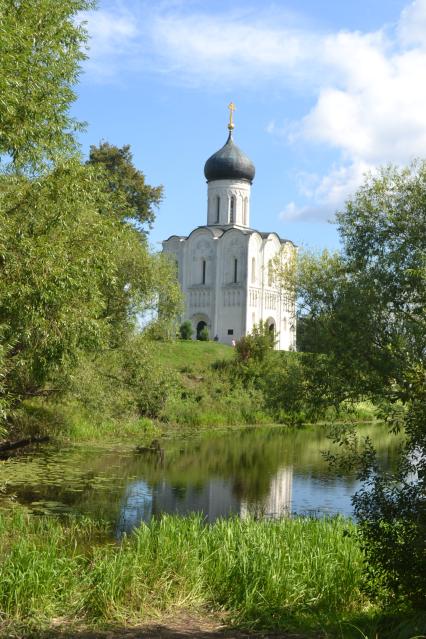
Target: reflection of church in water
(214, 499)
(226, 268)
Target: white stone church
(225, 268)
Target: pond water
(260, 471)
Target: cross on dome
(231, 108)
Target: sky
(325, 92)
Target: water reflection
(259, 472)
(215, 499)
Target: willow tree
(74, 274)
(42, 44)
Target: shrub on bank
(185, 330)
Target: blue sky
(325, 91)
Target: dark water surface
(261, 471)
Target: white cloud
(230, 49)
(412, 25)
(326, 194)
(376, 111)
(368, 90)
(114, 37)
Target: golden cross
(231, 108)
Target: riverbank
(286, 574)
(190, 385)
(300, 576)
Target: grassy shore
(291, 574)
(201, 396)
(282, 574)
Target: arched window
(235, 270)
(203, 274)
(270, 273)
(232, 210)
(217, 209)
(253, 270)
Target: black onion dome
(229, 163)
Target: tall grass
(268, 574)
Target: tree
(73, 279)
(75, 268)
(58, 254)
(365, 316)
(256, 345)
(144, 282)
(135, 199)
(42, 44)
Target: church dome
(229, 163)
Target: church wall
(199, 283)
(224, 190)
(265, 300)
(272, 310)
(254, 281)
(288, 306)
(230, 308)
(231, 294)
(175, 247)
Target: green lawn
(191, 354)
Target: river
(262, 471)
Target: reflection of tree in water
(94, 481)
(179, 490)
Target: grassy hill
(205, 397)
(191, 355)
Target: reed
(267, 574)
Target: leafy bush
(203, 335)
(123, 383)
(284, 389)
(256, 345)
(186, 331)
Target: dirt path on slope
(179, 627)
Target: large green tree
(42, 46)
(136, 200)
(75, 265)
(74, 277)
(365, 317)
(58, 254)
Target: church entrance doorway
(200, 327)
(270, 322)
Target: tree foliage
(42, 46)
(120, 384)
(186, 331)
(365, 317)
(57, 256)
(256, 345)
(75, 267)
(135, 199)
(73, 277)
